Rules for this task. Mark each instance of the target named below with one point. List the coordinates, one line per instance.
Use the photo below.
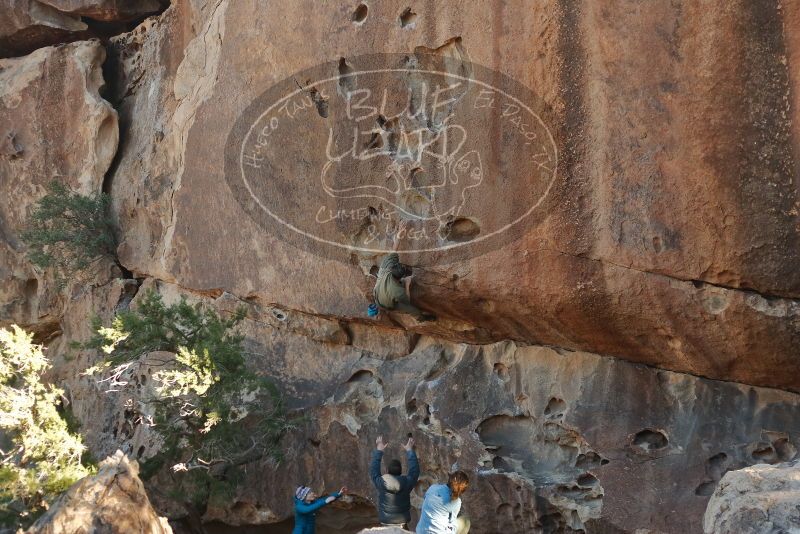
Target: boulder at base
(112, 501)
(756, 499)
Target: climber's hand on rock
(343, 491)
(410, 445)
(379, 444)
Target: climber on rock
(393, 289)
(439, 514)
(394, 488)
(306, 504)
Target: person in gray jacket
(394, 488)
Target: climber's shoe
(373, 310)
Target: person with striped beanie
(306, 504)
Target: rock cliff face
(55, 126)
(600, 366)
(669, 236)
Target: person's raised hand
(379, 443)
(409, 445)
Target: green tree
(70, 231)
(213, 413)
(40, 457)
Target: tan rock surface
(30, 24)
(113, 501)
(669, 236)
(153, 118)
(106, 10)
(54, 126)
(761, 498)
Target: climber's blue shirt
(439, 513)
(305, 514)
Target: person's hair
(395, 468)
(458, 483)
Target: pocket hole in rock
(319, 101)
(552, 522)
(501, 371)
(279, 315)
(346, 80)
(570, 492)
(717, 465)
(500, 464)
(589, 460)
(657, 244)
(587, 480)
(364, 375)
(765, 454)
(785, 449)
(705, 489)
(555, 407)
(375, 141)
(407, 18)
(360, 14)
(461, 229)
(650, 439)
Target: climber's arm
(375, 469)
(407, 284)
(307, 508)
(413, 467)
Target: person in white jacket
(441, 506)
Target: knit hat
(302, 492)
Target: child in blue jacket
(306, 504)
